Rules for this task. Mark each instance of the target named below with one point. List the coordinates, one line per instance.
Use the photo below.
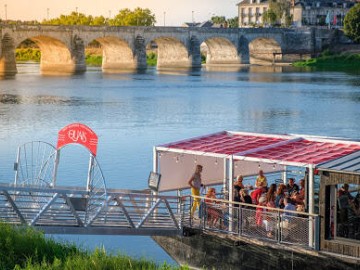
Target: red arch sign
(79, 134)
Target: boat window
(347, 221)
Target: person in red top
(255, 195)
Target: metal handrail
(256, 206)
(65, 210)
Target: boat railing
(253, 221)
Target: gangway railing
(69, 210)
(254, 221)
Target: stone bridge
(63, 47)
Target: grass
(332, 61)
(26, 248)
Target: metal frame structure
(259, 150)
(60, 211)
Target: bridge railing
(66, 210)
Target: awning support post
(284, 175)
(231, 177)
(311, 205)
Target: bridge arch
(220, 50)
(58, 57)
(171, 53)
(264, 50)
(117, 54)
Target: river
(133, 112)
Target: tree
(218, 19)
(140, 17)
(233, 22)
(281, 9)
(76, 18)
(352, 23)
(269, 17)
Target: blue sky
(176, 12)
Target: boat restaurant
(328, 167)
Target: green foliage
(279, 11)
(139, 16)
(218, 19)
(331, 60)
(280, 7)
(233, 22)
(25, 248)
(203, 58)
(151, 59)
(93, 57)
(269, 17)
(76, 18)
(125, 17)
(352, 23)
(21, 245)
(28, 54)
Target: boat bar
(330, 166)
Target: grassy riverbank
(332, 61)
(25, 248)
(93, 56)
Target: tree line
(125, 17)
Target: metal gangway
(36, 199)
(70, 210)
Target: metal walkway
(36, 199)
(73, 211)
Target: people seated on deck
(291, 186)
(280, 195)
(255, 195)
(238, 185)
(212, 208)
(245, 197)
(261, 180)
(288, 206)
(302, 191)
(270, 196)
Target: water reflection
(48, 100)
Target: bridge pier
(119, 56)
(58, 59)
(7, 57)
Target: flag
(327, 19)
(335, 20)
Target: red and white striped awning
(292, 149)
(247, 151)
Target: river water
(133, 112)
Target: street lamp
(47, 13)
(192, 16)
(5, 6)
(109, 14)
(164, 17)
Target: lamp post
(164, 17)
(5, 6)
(192, 16)
(47, 13)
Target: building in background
(303, 12)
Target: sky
(174, 12)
